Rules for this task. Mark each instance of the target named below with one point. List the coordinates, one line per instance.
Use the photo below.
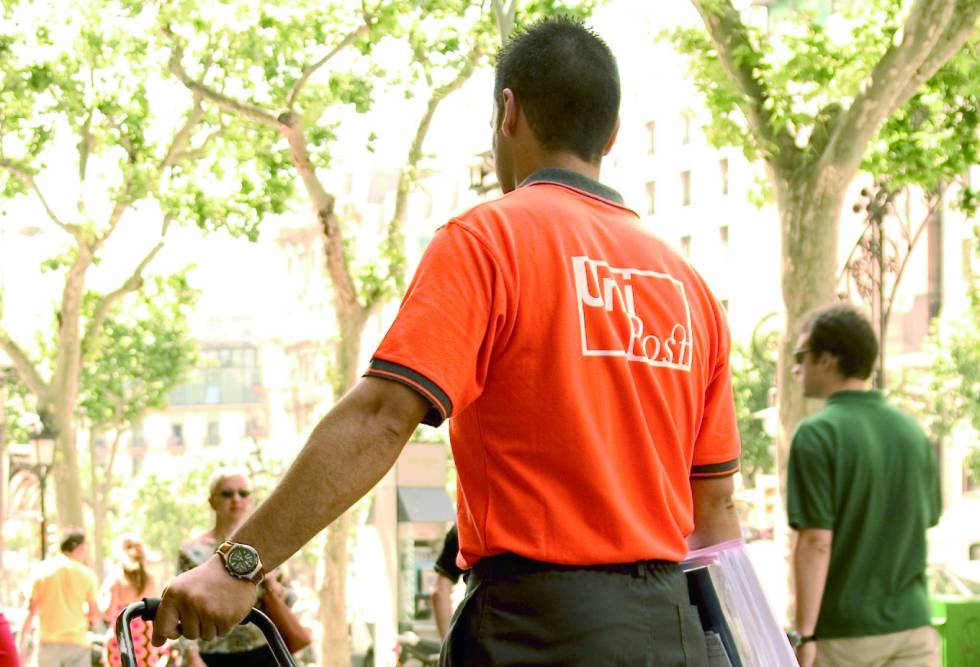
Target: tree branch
(394, 237)
(28, 179)
(961, 25)
(26, 369)
(183, 135)
(730, 37)
(131, 284)
(345, 292)
(311, 69)
(900, 72)
(231, 105)
(505, 18)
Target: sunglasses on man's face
(230, 493)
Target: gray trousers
(521, 612)
(64, 655)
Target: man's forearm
(715, 516)
(811, 561)
(349, 451)
(442, 605)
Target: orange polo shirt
(584, 366)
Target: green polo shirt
(866, 471)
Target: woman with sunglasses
(230, 497)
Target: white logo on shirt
(641, 315)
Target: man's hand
(204, 603)
(806, 654)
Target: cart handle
(147, 610)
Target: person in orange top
(583, 366)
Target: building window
(651, 197)
(224, 375)
(686, 188)
(214, 433)
(136, 464)
(651, 137)
(176, 440)
(723, 168)
(686, 246)
(137, 439)
(723, 235)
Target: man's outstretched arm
(349, 451)
(715, 518)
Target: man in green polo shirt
(863, 488)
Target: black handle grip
(147, 610)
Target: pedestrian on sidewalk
(129, 582)
(63, 596)
(863, 489)
(448, 574)
(230, 498)
(8, 647)
(583, 365)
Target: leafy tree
(147, 352)
(309, 78)
(753, 378)
(946, 393)
(86, 112)
(167, 505)
(811, 106)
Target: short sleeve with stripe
(454, 309)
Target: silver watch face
(242, 559)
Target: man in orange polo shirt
(584, 368)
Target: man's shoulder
(814, 430)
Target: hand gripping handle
(147, 610)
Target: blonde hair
(221, 474)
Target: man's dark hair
(566, 80)
(72, 539)
(844, 332)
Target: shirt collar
(855, 394)
(573, 179)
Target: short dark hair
(567, 82)
(71, 540)
(841, 330)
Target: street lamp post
(43, 460)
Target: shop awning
(424, 504)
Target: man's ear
(509, 113)
(612, 138)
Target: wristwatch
(796, 639)
(242, 562)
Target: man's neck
(558, 160)
(848, 384)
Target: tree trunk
(335, 649)
(64, 392)
(335, 645)
(809, 211)
(98, 508)
(67, 476)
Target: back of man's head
(566, 80)
(843, 331)
(71, 540)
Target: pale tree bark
(506, 14)
(352, 309)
